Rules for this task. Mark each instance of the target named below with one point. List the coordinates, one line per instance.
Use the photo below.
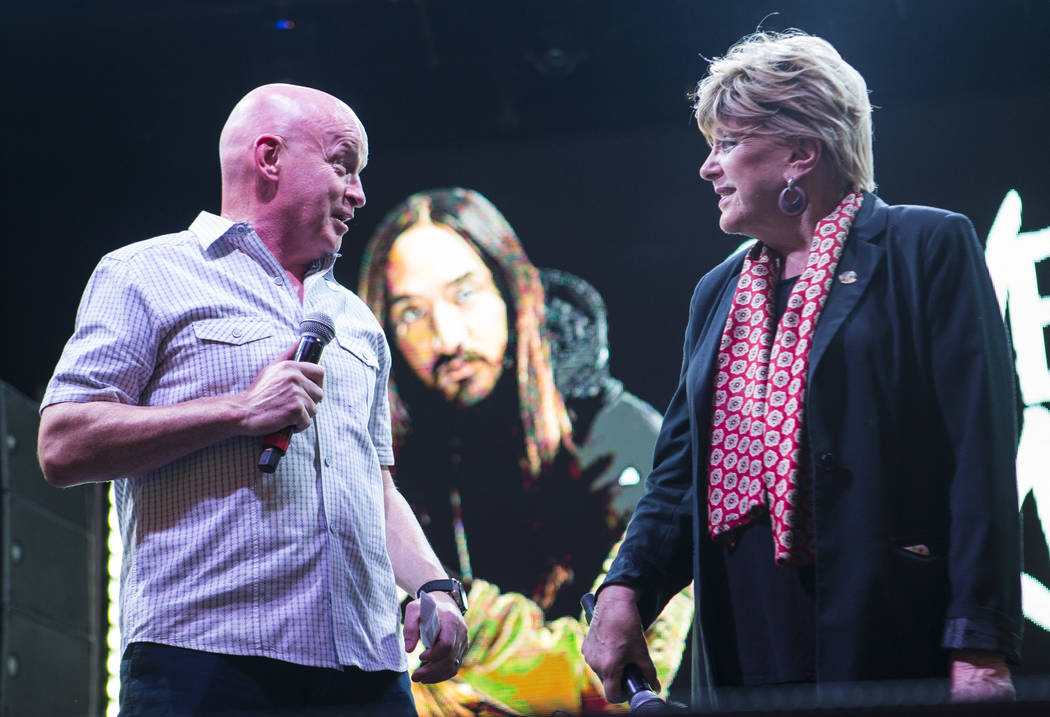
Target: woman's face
(748, 171)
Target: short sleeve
(111, 355)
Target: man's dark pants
(164, 681)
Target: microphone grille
(319, 324)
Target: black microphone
(638, 690)
(315, 331)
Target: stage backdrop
(571, 119)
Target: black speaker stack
(52, 588)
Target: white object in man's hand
(429, 627)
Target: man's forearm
(411, 556)
(103, 440)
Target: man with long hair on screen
(520, 454)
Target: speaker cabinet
(52, 589)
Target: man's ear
(266, 155)
(805, 156)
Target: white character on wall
(1012, 257)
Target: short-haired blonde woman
(836, 468)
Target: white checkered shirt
(217, 555)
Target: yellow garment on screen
(518, 664)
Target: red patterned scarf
(758, 405)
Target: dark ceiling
(425, 71)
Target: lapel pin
(848, 277)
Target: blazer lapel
(701, 363)
(861, 257)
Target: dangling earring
(793, 200)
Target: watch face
(456, 590)
(460, 595)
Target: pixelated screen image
(510, 435)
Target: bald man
(240, 590)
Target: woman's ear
(805, 156)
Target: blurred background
(570, 115)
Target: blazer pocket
(920, 549)
(918, 554)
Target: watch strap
(448, 585)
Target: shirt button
(328, 461)
(278, 280)
(236, 333)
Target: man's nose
(449, 331)
(355, 191)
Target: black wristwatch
(451, 586)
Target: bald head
(291, 162)
(286, 111)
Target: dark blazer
(912, 429)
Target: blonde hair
(792, 85)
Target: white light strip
(113, 611)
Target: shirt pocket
(228, 353)
(358, 370)
(232, 331)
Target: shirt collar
(210, 228)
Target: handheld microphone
(315, 331)
(638, 690)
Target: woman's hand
(978, 676)
(615, 639)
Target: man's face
(320, 181)
(449, 320)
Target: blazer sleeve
(656, 555)
(971, 368)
